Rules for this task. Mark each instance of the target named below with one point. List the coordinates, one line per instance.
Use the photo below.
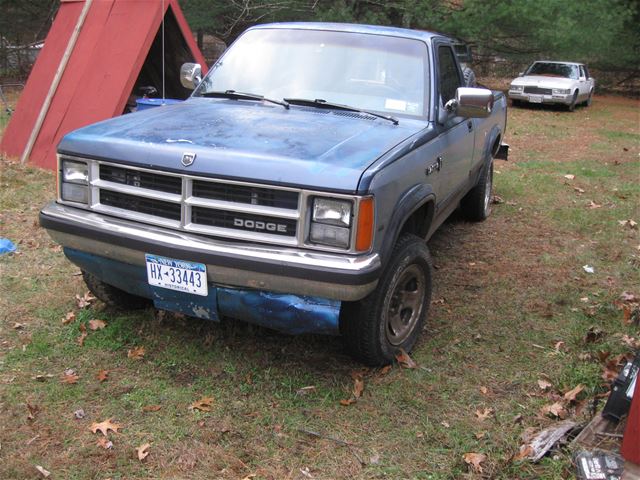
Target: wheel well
(419, 221)
(496, 146)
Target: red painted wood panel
(111, 49)
(631, 440)
(35, 91)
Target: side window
(586, 72)
(448, 76)
(582, 72)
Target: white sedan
(566, 83)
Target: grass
(507, 291)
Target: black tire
(476, 205)
(393, 315)
(589, 100)
(112, 296)
(516, 103)
(572, 106)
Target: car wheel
(112, 296)
(587, 103)
(516, 103)
(572, 106)
(392, 316)
(476, 205)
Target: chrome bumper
(242, 265)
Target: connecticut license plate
(188, 277)
(535, 99)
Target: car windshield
(370, 72)
(554, 70)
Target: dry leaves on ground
(484, 413)
(136, 353)
(83, 334)
(544, 384)
(43, 472)
(358, 388)
(475, 460)
(405, 360)
(555, 410)
(69, 377)
(204, 404)
(86, 300)
(33, 411)
(104, 427)
(572, 394)
(68, 318)
(102, 375)
(143, 451)
(104, 443)
(96, 324)
(151, 408)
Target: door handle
(470, 125)
(434, 167)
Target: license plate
(180, 275)
(535, 99)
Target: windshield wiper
(233, 95)
(320, 103)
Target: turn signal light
(364, 234)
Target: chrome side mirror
(190, 75)
(471, 102)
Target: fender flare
(410, 201)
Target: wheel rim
(487, 190)
(406, 304)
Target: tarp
(111, 49)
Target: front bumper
(234, 264)
(564, 99)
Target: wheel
(476, 205)
(516, 103)
(589, 99)
(392, 316)
(469, 77)
(112, 296)
(572, 106)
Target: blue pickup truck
(296, 188)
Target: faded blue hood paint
(307, 147)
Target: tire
(516, 103)
(392, 316)
(589, 100)
(469, 77)
(112, 296)
(476, 205)
(572, 106)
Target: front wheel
(476, 205)
(392, 316)
(572, 106)
(112, 296)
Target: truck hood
(305, 147)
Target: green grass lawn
(512, 305)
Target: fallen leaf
(43, 472)
(445, 424)
(593, 205)
(554, 410)
(525, 452)
(301, 392)
(136, 353)
(33, 411)
(630, 342)
(251, 476)
(18, 326)
(204, 404)
(347, 402)
(544, 384)
(628, 223)
(628, 297)
(96, 324)
(497, 199)
(102, 375)
(569, 176)
(572, 394)
(358, 387)
(484, 390)
(86, 300)
(104, 443)
(42, 378)
(83, 334)
(151, 408)
(484, 414)
(68, 318)
(578, 189)
(474, 460)
(480, 435)
(143, 451)
(69, 377)
(386, 369)
(405, 360)
(104, 427)
(559, 346)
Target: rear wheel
(392, 316)
(112, 296)
(476, 205)
(589, 99)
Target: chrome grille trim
(186, 200)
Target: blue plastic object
(6, 246)
(146, 103)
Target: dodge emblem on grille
(188, 158)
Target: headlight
(330, 235)
(560, 91)
(516, 88)
(332, 212)
(74, 181)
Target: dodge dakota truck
(296, 188)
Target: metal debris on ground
(598, 465)
(547, 439)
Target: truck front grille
(537, 90)
(206, 206)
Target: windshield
(372, 72)
(554, 70)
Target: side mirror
(190, 75)
(521, 74)
(471, 102)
